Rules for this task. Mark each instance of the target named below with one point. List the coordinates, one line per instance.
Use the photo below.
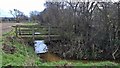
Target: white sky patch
(29, 5)
(23, 5)
(83, 0)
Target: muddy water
(53, 57)
(50, 57)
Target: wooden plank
(40, 36)
(43, 33)
(29, 31)
(33, 32)
(16, 32)
(35, 26)
(29, 26)
(19, 31)
(49, 33)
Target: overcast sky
(23, 5)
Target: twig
(113, 54)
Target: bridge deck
(28, 31)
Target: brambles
(8, 49)
(89, 30)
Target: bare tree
(89, 30)
(18, 15)
(34, 15)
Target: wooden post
(16, 32)
(49, 32)
(0, 19)
(19, 30)
(33, 32)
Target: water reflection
(40, 46)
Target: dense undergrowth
(85, 33)
(21, 54)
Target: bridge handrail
(35, 26)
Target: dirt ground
(6, 27)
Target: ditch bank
(50, 55)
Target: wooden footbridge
(36, 32)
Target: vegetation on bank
(17, 53)
(89, 30)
